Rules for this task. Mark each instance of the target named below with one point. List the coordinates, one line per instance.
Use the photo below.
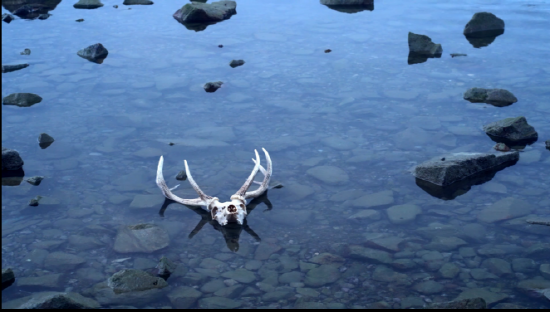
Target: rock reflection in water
(232, 231)
(12, 177)
(483, 39)
(349, 6)
(30, 9)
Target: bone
(242, 191)
(197, 189)
(267, 177)
(168, 193)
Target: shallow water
(360, 108)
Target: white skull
(233, 211)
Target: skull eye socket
(242, 206)
(232, 208)
(214, 211)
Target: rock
(327, 258)
(47, 281)
(265, 250)
(449, 270)
(322, 275)
(88, 4)
(236, 63)
(82, 243)
(374, 200)
(484, 24)
(290, 277)
(136, 2)
(141, 238)
(196, 12)
(95, 53)
(402, 214)
(482, 274)
(45, 140)
(26, 52)
(35, 180)
(130, 280)
(184, 297)
(182, 176)
(61, 262)
(504, 209)
(501, 147)
(349, 6)
(22, 99)
(369, 255)
(218, 302)
(367, 214)
(498, 267)
(524, 265)
(487, 295)
(421, 48)
(384, 274)
(442, 243)
(496, 97)
(10, 68)
(329, 174)
(34, 202)
(58, 300)
(545, 270)
(446, 170)
(539, 251)
(212, 86)
(7, 18)
(44, 16)
(547, 144)
(512, 131)
(458, 54)
(146, 201)
(80, 20)
(468, 304)
(274, 296)
(428, 287)
(8, 277)
(241, 275)
(106, 296)
(165, 267)
(11, 160)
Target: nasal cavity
(232, 208)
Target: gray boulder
(130, 280)
(236, 63)
(141, 238)
(36, 180)
(212, 86)
(22, 99)
(496, 97)
(421, 48)
(95, 53)
(484, 24)
(135, 2)
(447, 170)
(196, 12)
(7, 18)
(10, 68)
(11, 159)
(511, 131)
(88, 4)
(58, 300)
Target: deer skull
(233, 211)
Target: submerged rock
(58, 300)
(130, 280)
(95, 53)
(7, 18)
(26, 52)
(11, 160)
(184, 297)
(135, 2)
(88, 4)
(212, 86)
(236, 63)
(511, 131)
(141, 238)
(10, 68)
(196, 12)
(504, 209)
(421, 48)
(22, 99)
(496, 97)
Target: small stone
(184, 297)
(547, 144)
(26, 52)
(115, 6)
(138, 2)
(236, 63)
(212, 86)
(402, 214)
(8, 277)
(88, 4)
(458, 54)
(220, 45)
(10, 68)
(429, 287)
(322, 275)
(7, 18)
(44, 16)
(515, 130)
(80, 20)
(328, 50)
(11, 160)
(45, 140)
(95, 53)
(182, 176)
(501, 147)
(22, 99)
(34, 201)
(329, 174)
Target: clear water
(350, 108)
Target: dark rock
(130, 280)
(8, 277)
(496, 97)
(95, 53)
(328, 50)
(80, 20)
(421, 48)
(459, 166)
(165, 267)
(220, 46)
(12, 177)
(236, 63)
(115, 6)
(484, 24)
(136, 2)
(212, 86)
(182, 176)
(349, 6)
(469, 304)
(511, 131)
(458, 54)
(26, 52)
(35, 180)
(7, 18)
(24, 11)
(44, 16)
(88, 4)
(501, 147)
(22, 99)
(195, 12)
(45, 140)
(11, 160)
(57, 300)
(10, 68)
(547, 144)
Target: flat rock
(10, 68)
(511, 130)
(370, 255)
(88, 4)
(141, 238)
(131, 280)
(196, 12)
(402, 214)
(327, 258)
(60, 261)
(22, 99)
(374, 200)
(384, 274)
(265, 250)
(428, 287)
(504, 209)
(241, 275)
(184, 297)
(329, 174)
(445, 170)
(496, 97)
(57, 300)
(137, 2)
(487, 295)
(322, 275)
(367, 214)
(95, 53)
(484, 24)
(46, 281)
(497, 266)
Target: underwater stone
(131, 280)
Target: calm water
(360, 108)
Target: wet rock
(130, 280)
(88, 4)
(274, 296)
(504, 209)
(290, 277)
(241, 275)
(45, 140)
(501, 147)
(137, 2)
(322, 275)
(11, 160)
(367, 214)
(412, 302)
(484, 24)
(496, 97)
(106, 296)
(390, 244)
(10, 68)
(524, 265)
(527, 286)
(459, 304)
(449, 270)
(184, 297)
(308, 292)
(26, 52)
(80, 20)
(421, 48)
(369, 255)
(45, 281)
(8, 277)
(547, 143)
(329, 174)
(182, 176)
(231, 292)
(498, 267)
(57, 300)
(212, 86)
(196, 12)
(448, 169)
(458, 54)
(44, 16)
(374, 200)
(213, 286)
(487, 295)
(22, 99)
(35, 180)
(82, 243)
(428, 287)
(387, 275)
(403, 264)
(61, 262)
(218, 303)
(7, 18)
(349, 6)
(402, 214)
(141, 238)
(512, 131)
(447, 243)
(95, 53)
(236, 63)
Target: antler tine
(168, 193)
(202, 195)
(242, 191)
(267, 177)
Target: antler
(203, 200)
(241, 193)
(267, 176)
